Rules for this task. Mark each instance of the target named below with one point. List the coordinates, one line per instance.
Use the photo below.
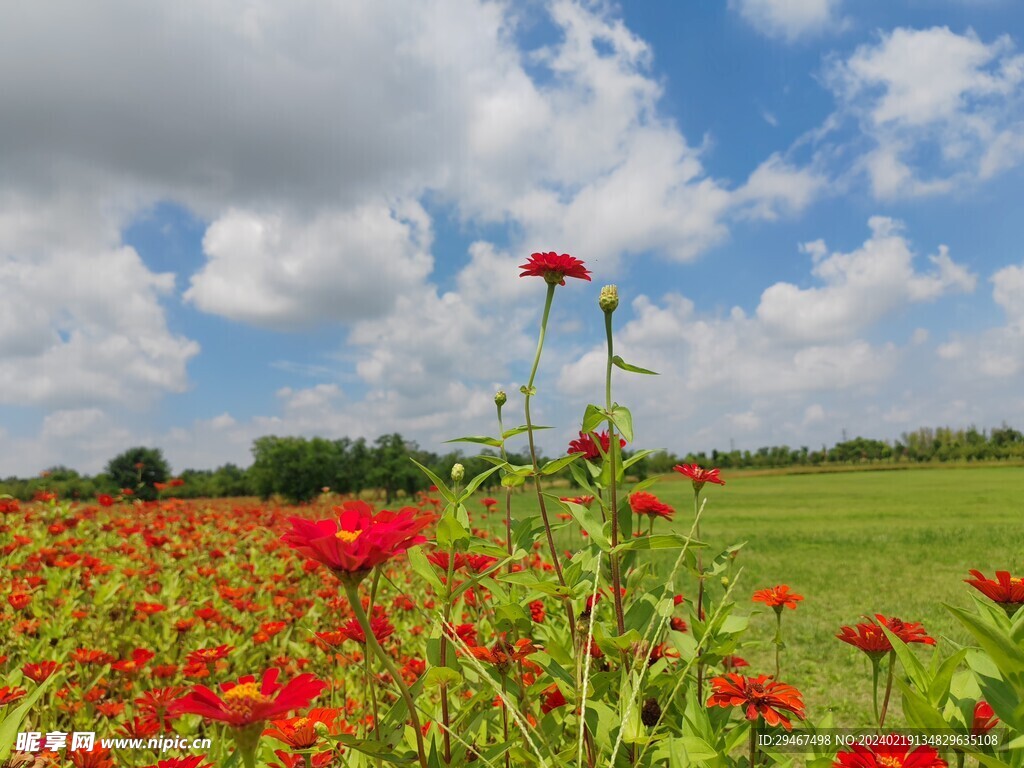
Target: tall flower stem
(504, 716)
(445, 714)
(499, 401)
(888, 689)
(778, 639)
(528, 392)
(613, 451)
(875, 661)
(352, 590)
(700, 593)
(753, 743)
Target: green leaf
(911, 665)
(529, 579)
(627, 463)
(443, 489)
(422, 566)
(618, 362)
(437, 677)
(1007, 655)
(557, 464)
(450, 532)
(10, 725)
(375, 749)
(623, 419)
(528, 391)
(512, 481)
(481, 439)
(588, 521)
(593, 417)
(473, 484)
(520, 430)
(658, 541)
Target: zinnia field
(851, 619)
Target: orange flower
(777, 597)
(901, 754)
(643, 503)
(300, 732)
(501, 654)
(698, 475)
(1005, 589)
(759, 696)
(870, 638)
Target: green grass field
(853, 544)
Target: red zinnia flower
(501, 654)
(246, 702)
(586, 445)
(644, 503)
(552, 698)
(358, 540)
(105, 500)
(984, 719)
(300, 732)
(895, 755)
(777, 597)
(489, 502)
(870, 638)
(699, 475)
(381, 627)
(1006, 590)
(8, 694)
(759, 696)
(40, 671)
(554, 268)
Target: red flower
(501, 654)
(552, 698)
(699, 475)
(537, 612)
(8, 694)
(1006, 590)
(358, 540)
(381, 627)
(40, 671)
(554, 268)
(759, 696)
(734, 662)
(870, 638)
(489, 502)
(644, 503)
(984, 719)
(97, 757)
(586, 445)
(105, 500)
(193, 761)
(246, 702)
(300, 733)
(777, 597)
(140, 656)
(895, 755)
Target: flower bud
(650, 714)
(458, 472)
(609, 299)
(725, 582)
(321, 729)
(500, 398)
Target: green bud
(609, 299)
(500, 398)
(725, 581)
(321, 729)
(458, 472)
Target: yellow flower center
(889, 761)
(241, 699)
(348, 536)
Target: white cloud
(933, 93)
(789, 19)
(82, 322)
(859, 288)
(286, 271)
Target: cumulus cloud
(933, 93)
(859, 287)
(286, 271)
(789, 19)
(82, 323)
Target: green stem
(874, 685)
(700, 594)
(753, 743)
(778, 639)
(352, 590)
(613, 451)
(888, 689)
(508, 493)
(504, 716)
(533, 455)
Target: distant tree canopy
(299, 468)
(138, 469)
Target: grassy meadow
(898, 543)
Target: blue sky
(219, 221)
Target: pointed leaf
(618, 362)
(481, 439)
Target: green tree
(138, 469)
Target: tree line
(299, 468)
